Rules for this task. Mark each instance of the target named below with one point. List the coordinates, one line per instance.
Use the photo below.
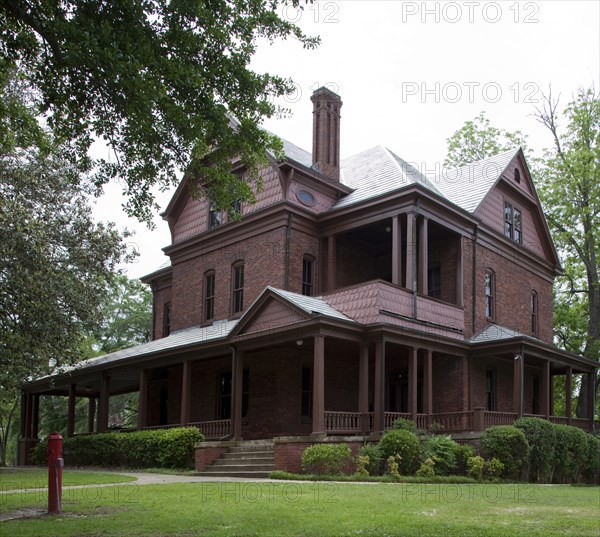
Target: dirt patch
(26, 512)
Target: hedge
(507, 444)
(326, 459)
(165, 448)
(541, 436)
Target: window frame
(534, 314)
(308, 284)
(513, 222)
(490, 389)
(166, 331)
(237, 287)
(434, 276)
(209, 295)
(517, 175)
(215, 215)
(490, 297)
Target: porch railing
(348, 422)
(453, 421)
(214, 430)
(391, 417)
(491, 418)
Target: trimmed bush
(475, 467)
(325, 459)
(442, 450)
(404, 424)
(463, 452)
(167, 448)
(507, 444)
(575, 454)
(541, 436)
(373, 465)
(404, 443)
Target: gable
(520, 195)
(273, 314)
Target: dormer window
(235, 210)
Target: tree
(159, 81)
(570, 191)
(478, 139)
(127, 316)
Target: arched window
(490, 294)
(517, 175)
(534, 313)
(308, 275)
(209, 295)
(237, 287)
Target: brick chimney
(326, 132)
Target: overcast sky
(411, 73)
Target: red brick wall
(288, 454)
(513, 288)
(504, 383)
(161, 297)
(205, 456)
(449, 394)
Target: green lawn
(12, 479)
(317, 508)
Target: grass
(30, 478)
(314, 508)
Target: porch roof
(311, 305)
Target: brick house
(351, 293)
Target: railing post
(478, 419)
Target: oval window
(306, 198)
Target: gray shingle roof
(377, 171)
(293, 152)
(494, 332)
(311, 304)
(176, 340)
(467, 185)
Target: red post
(55, 464)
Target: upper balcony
(383, 302)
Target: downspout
(415, 259)
(474, 282)
(153, 288)
(288, 238)
(233, 363)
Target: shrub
(404, 424)
(475, 467)
(442, 450)
(372, 451)
(137, 449)
(509, 445)
(591, 464)
(362, 462)
(494, 468)
(541, 437)
(393, 462)
(427, 468)
(325, 459)
(404, 443)
(463, 452)
(574, 453)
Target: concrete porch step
(248, 459)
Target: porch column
(546, 388)
(410, 251)
(143, 399)
(91, 414)
(379, 391)
(428, 384)
(459, 273)
(103, 403)
(186, 392)
(71, 410)
(518, 368)
(331, 263)
(35, 418)
(569, 393)
(423, 255)
(396, 250)
(412, 382)
(363, 386)
(237, 381)
(591, 392)
(318, 425)
(28, 415)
